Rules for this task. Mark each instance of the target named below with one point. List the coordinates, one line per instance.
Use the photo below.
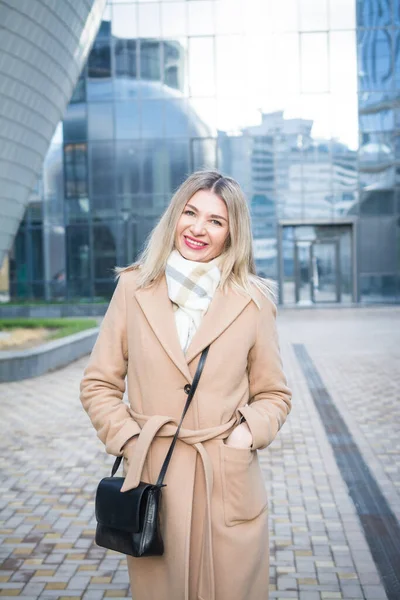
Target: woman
(195, 285)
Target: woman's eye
(217, 222)
(188, 212)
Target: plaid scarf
(191, 287)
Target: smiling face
(203, 227)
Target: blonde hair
(237, 260)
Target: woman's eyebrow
(213, 216)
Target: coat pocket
(243, 488)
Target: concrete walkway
(51, 462)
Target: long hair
(237, 261)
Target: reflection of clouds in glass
(124, 21)
(313, 15)
(279, 58)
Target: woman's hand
(240, 437)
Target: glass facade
(297, 100)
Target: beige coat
(215, 505)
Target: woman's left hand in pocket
(240, 437)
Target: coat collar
(157, 308)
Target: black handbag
(129, 522)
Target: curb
(23, 364)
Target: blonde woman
(194, 285)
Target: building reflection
(303, 114)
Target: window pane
(314, 62)
(128, 157)
(173, 19)
(152, 118)
(345, 177)
(178, 165)
(99, 63)
(149, 20)
(99, 83)
(377, 202)
(375, 60)
(204, 122)
(313, 15)
(344, 119)
(124, 22)
(79, 93)
(78, 258)
(176, 118)
(382, 120)
(174, 62)
(75, 169)
(203, 154)
(102, 170)
(125, 53)
(201, 17)
(77, 210)
(74, 123)
(376, 153)
(342, 14)
(373, 13)
(100, 121)
(201, 66)
(343, 62)
(104, 249)
(229, 16)
(317, 205)
(378, 288)
(154, 157)
(317, 108)
(377, 233)
(230, 66)
(396, 42)
(284, 15)
(285, 62)
(150, 60)
(127, 120)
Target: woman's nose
(198, 227)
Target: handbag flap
(120, 510)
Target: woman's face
(203, 227)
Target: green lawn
(61, 327)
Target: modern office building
(298, 100)
(43, 47)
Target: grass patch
(60, 327)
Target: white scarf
(191, 287)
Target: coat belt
(162, 426)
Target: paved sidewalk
(51, 462)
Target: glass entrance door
(316, 263)
(317, 271)
(303, 272)
(325, 264)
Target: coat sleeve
(103, 384)
(270, 396)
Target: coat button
(187, 388)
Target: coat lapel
(157, 307)
(223, 310)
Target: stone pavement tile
(316, 541)
(351, 590)
(309, 595)
(93, 595)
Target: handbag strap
(192, 391)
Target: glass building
(299, 100)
